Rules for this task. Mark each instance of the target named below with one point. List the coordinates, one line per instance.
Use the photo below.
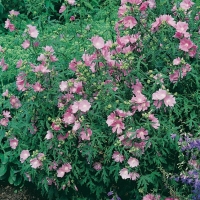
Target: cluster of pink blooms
(185, 44)
(117, 157)
(3, 65)
(139, 101)
(65, 168)
(47, 56)
(157, 197)
(33, 33)
(124, 173)
(22, 84)
(4, 121)
(155, 122)
(37, 161)
(181, 72)
(161, 96)
(63, 7)
(72, 86)
(9, 25)
(115, 120)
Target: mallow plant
(111, 128)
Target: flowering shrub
(108, 124)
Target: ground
(9, 192)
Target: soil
(28, 192)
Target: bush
(87, 117)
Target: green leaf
(18, 181)
(4, 159)
(10, 180)
(88, 5)
(3, 170)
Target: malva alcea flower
(24, 155)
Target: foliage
(86, 110)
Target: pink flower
(141, 133)
(110, 119)
(151, 197)
(76, 126)
(97, 166)
(42, 58)
(26, 44)
(134, 176)
(152, 3)
(19, 63)
(53, 58)
(28, 176)
(15, 103)
(175, 76)
(63, 86)
(144, 6)
(84, 105)
(185, 69)
(35, 163)
(71, 2)
(171, 198)
(36, 44)
(13, 143)
(122, 10)
(168, 19)
(155, 25)
(73, 64)
(5, 94)
(124, 173)
(117, 157)
(176, 61)
(159, 95)
(169, 100)
(129, 22)
(181, 27)
(55, 127)
(37, 87)
(157, 103)
(60, 172)
(41, 68)
(66, 167)
(84, 135)
(138, 99)
(68, 118)
(133, 162)
(3, 64)
(136, 2)
(122, 113)
(32, 31)
(98, 42)
(6, 114)
(155, 121)
(21, 81)
(75, 107)
(186, 4)
(72, 18)
(185, 44)
(193, 51)
(4, 121)
(24, 155)
(117, 125)
(9, 26)
(49, 135)
(62, 9)
(15, 13)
